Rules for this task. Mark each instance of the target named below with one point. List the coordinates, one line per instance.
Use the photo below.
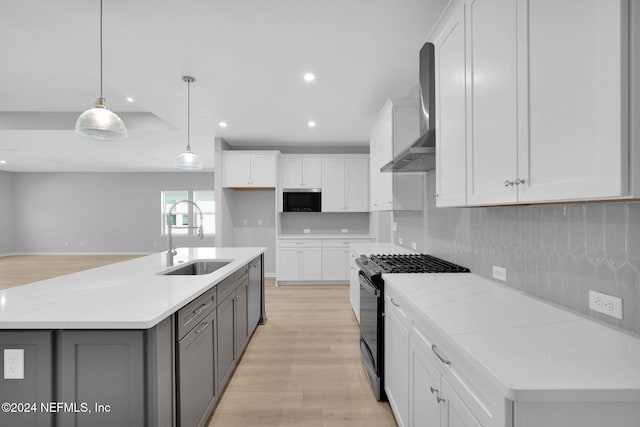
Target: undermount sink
(196, 268)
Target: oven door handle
(364, 282)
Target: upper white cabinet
(301, 172)
(345, 187)
(394, 130)
(492, 148)
(249, 169)
(532, 101)
(576, 144)
(451, 109)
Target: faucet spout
(172, 251)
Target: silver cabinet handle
(206, 324)
(508, 183)
(434, 390)
(394, 303)
(442, 359)
(518, 181)
(440, 399)
(436, 195)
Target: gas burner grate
(416, 263)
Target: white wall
(7, 214)
(254, 221)
(97, 212)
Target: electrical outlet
(499, 273)
(414, 246)
(306, 231)
(245, 221)
(13, 364)
(606, 304)
(394, 226)
(345, 230)
(260, 222)
(399, 240)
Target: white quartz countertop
(345, 236)
(126, 295)
(532, 350)
(379, 249)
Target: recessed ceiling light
(3, 162)
(130, 99)
(222, 124)
(311, 124)
(309, 77)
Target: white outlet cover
(399, 240)
(13, 364)
(499, 273)
(307, 230)
(606, 304)
(414, 246)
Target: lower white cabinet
(416, 386)
(354, 284)
(396, 360)
(432, 400)
(299, 260)
(319, 260)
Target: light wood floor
(300, 369)
(22, 269)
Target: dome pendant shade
(101, 123)
(188, 161)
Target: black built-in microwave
(301, 200)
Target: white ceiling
(248, 58)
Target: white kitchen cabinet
(451, 118)
(575, 143)
(396, 128)
(335, 263)
(533, 102)
(424, 383)
(493, 131)
(354, 284)
(345, 187)
(301, 172)
(249, 169)
(396, 359)
(432, 400)
(299, 260)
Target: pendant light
(100, 122)
(188, 160)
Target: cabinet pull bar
(434, 390)
(206, 324)
(442, 359)
(394, 303)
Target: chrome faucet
(172, 251)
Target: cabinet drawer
(191, 314)
(229, 285)
(480, 396)
(396, 306)
(299, 243)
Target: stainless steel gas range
(372, 304)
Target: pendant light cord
(100, 48)
(188, 116)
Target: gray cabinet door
(101, 368)
(196, 373)
(37, 385)
(226, 346)
(254, 293)
(242, 331)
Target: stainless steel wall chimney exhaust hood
(421, 155)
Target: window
(185, 214)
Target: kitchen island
(126, 344)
